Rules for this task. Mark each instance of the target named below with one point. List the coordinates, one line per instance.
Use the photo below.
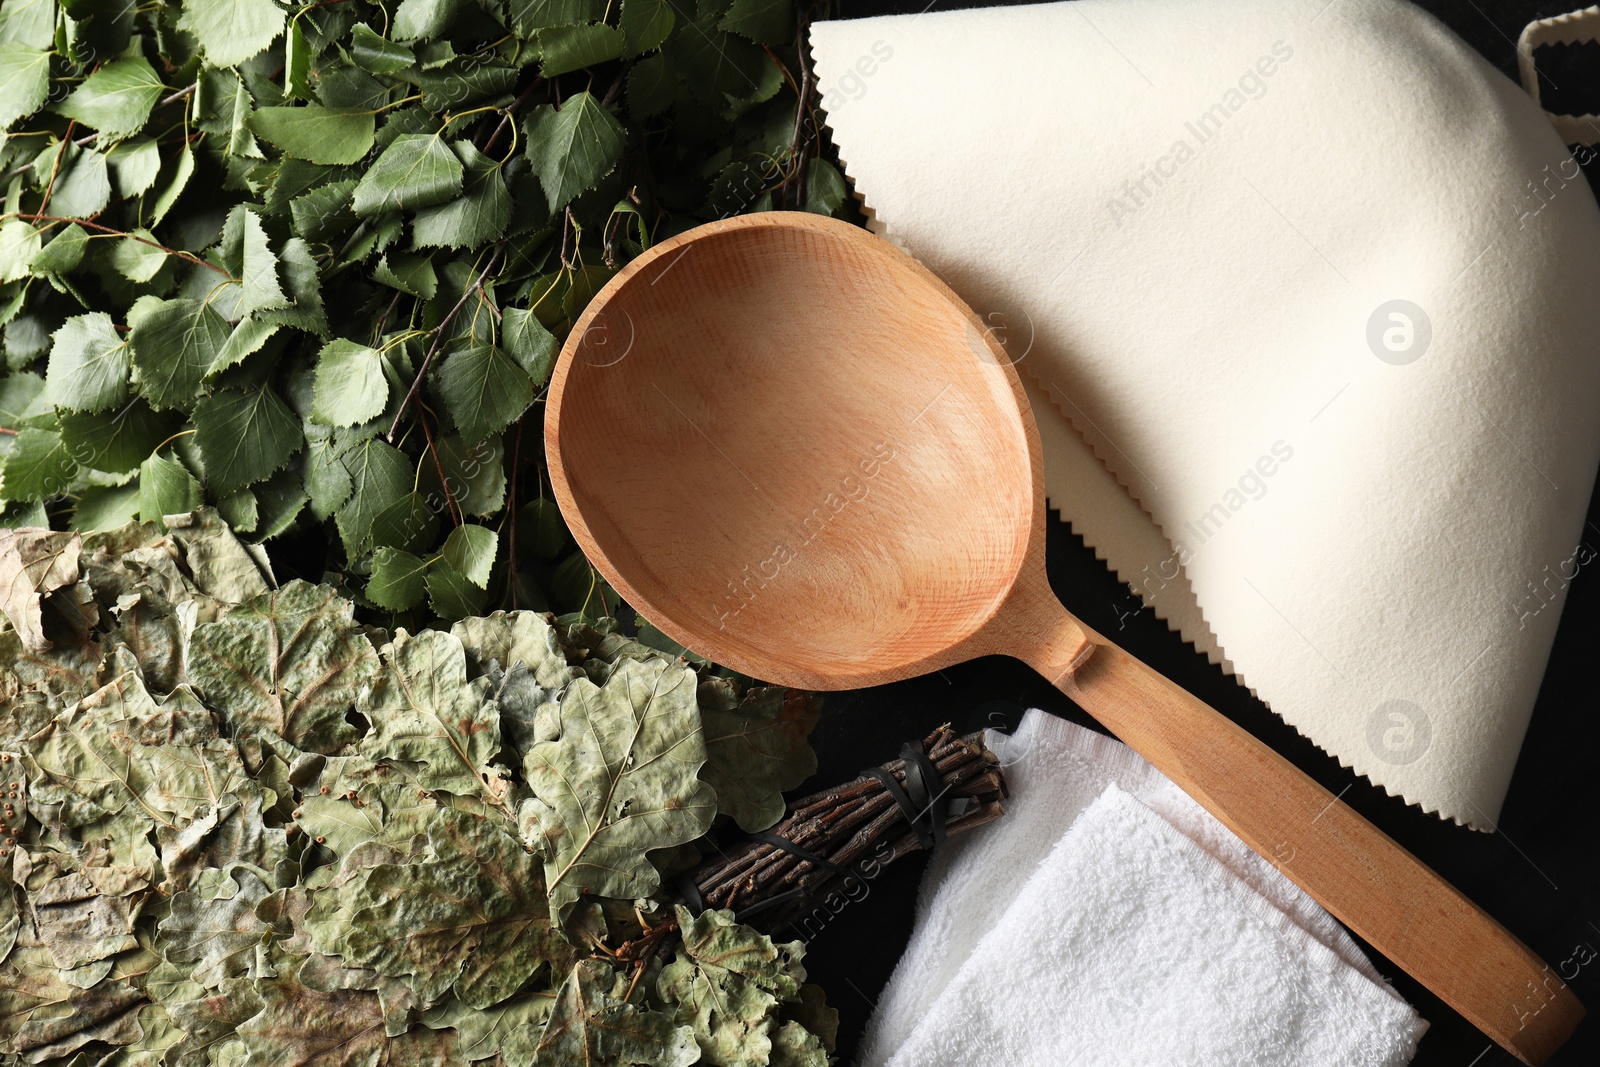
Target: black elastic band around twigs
(690, 892)
(926, 787)
(922, 801)
(783, 844)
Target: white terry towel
(1306, 290)
(1144, 934)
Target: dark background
(1540, 875)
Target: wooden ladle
(797, 452)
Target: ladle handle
(1379, 890)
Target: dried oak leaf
(509, 638)
(727, 982)
(469, 918)
(520, 653)
(43, 1018)
(33, 564)
(291, 661)
(756, 748)
(298, 1026)
(122, 752)
(426, 713)
(77, 923)
(619, 781)
(795, 1046)
(213, 934)
(591, 1025)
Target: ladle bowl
(798, 453)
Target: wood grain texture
(797, 452)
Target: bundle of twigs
(833, 843)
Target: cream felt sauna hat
(1309, 316)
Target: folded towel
(1146, 933)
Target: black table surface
(1539, 875)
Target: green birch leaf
(305, 311)
(83, 187)
(618, 781)
(328, 135)
(530, 344)
(322, 472)
(174, 346)
(239, 139)
(563, 49)
(136, 256)
(588, 1025)
(240, 510)
(769, 22)
(646, 25)
(412, 275)
(377, 474)
(323, 212)
(470, 549)
(483, 389)
(24, 81)
(573, 148)
(425, 19)
(480, 215)
(37, 467)
(280, 499)
(246, 339)
(351, 387)
(825, 187)
(177, 182)
(475, 475)
(715, 66)
(21, 399)
(397, 579)
(296, 64)
(463, 82)
(19, 245)
(530, 16)
(106, 508)
(232, 31)
(166, 488)
(450, 594)
(541, 532)
(89, 363)
(29, 22)
(116, 99)
(244, 435)
(255, 267)
(292, 661)
(63, 253)
(425, 711)
(410, 523)
(135, 165)
(756, 748)
(372, 53)
(417, 170)
(116, 441)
